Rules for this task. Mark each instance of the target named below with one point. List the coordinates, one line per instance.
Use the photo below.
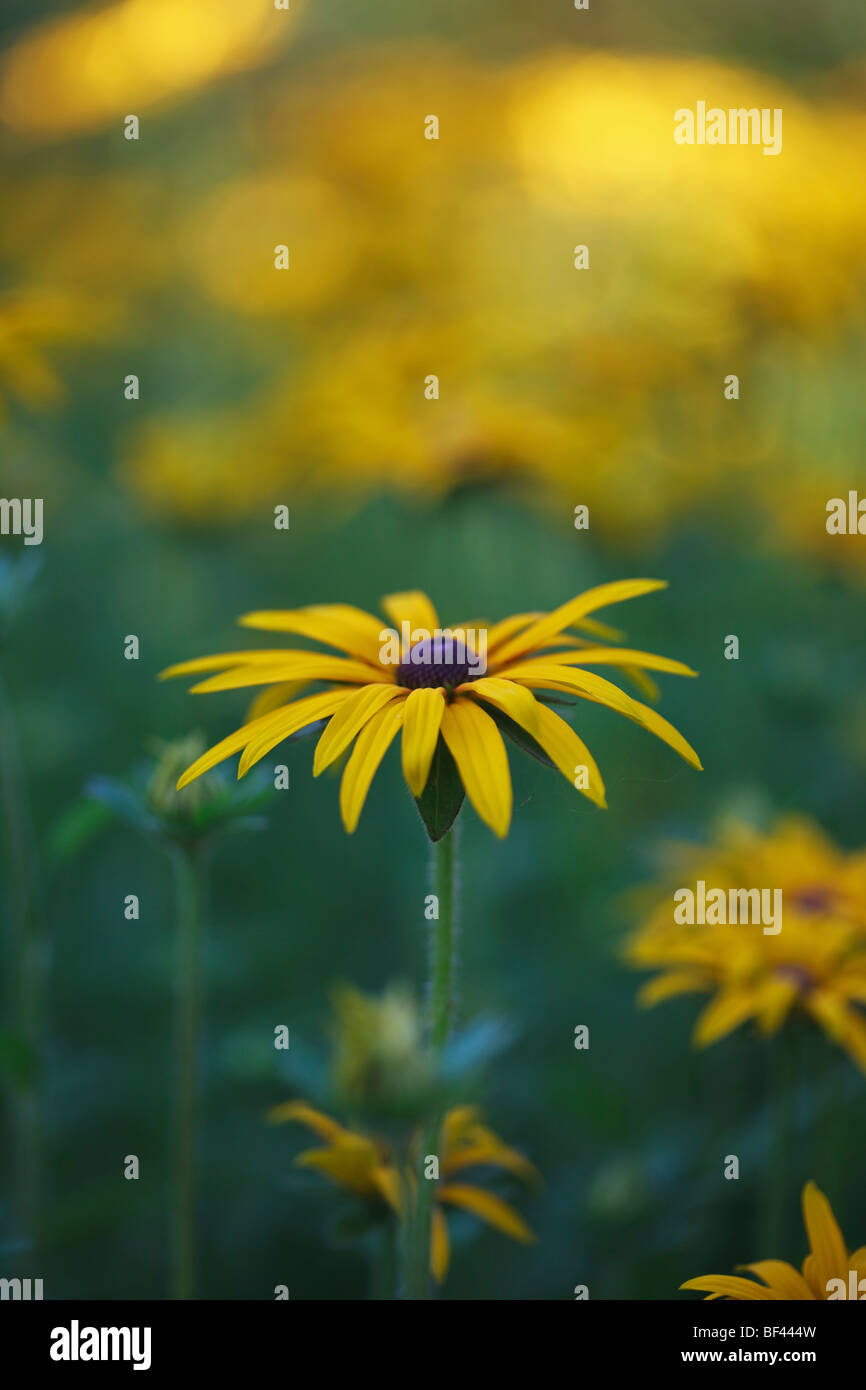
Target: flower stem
(441, 1004)
(442, 943)
(189, 875)
(384, 1275)
(19, 865)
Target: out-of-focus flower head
(378, 1046)
(369, 1168)
(77, 72)
(453, 258)
(814, 965)
(148, 800)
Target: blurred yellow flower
(368, 1168)
(705, 241)
(231, 238)
(816, 963)
(378, 1045)
(827, 1269)
(77, 72)
(453, 259)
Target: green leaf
(122, 800)
(439, 803)
(519, 736)
(475, 1045)
(76, 827)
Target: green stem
(19, 862)
(442, 944)
(441, 1004)
(189, 872)
(384, 1274)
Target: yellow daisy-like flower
(827, 1269)
(366, 1167)
(815, 964)
(451, 688)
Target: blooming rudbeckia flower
(815, 964)
(454, 687)
(826, 1265)
(367, 1168)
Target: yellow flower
(445, 689)
(544, 382)
(366, 1167)
(816, 963)
(378, 1045)
(827, 1261)
(363, 1166)
(77, 72)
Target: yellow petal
(299, 666)
(350, 720)
(488, 1148)
(225, 661)
(655, 724)
(666, 986)
(488, 1207)
(829, 1251)
(440, 1246)
(273, 696)
(412, 607)
(370, 748)
(457, 1123)
(320, 1124)
(854, 1040)
(476, 746)
(844, 1025)
(546, 675)
(777, 998)
(256, 728)
(353, 1163)
(335, 624)
(620, 656)
(787, 1281)
(645, 684)
(546, 628)
(729, 1286)
(387, 1180)
(556, 738)
(601, 631)
(422, 718)
(500, 632)
(291, 720)
(722, 1015)
(514, 700)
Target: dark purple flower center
(798, 976)
(817, 898)
(434, 661)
